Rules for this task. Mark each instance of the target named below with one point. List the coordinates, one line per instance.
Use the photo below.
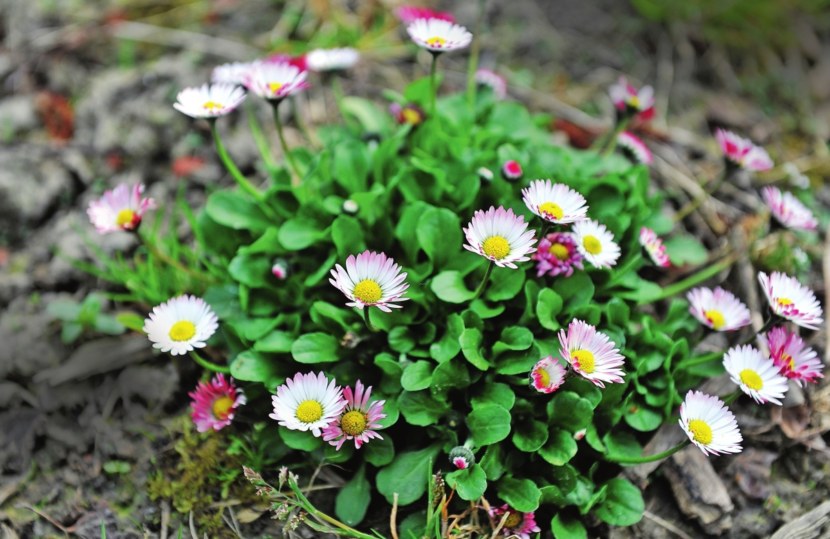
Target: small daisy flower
(795, 360)
(591, 353)
(512, 171)
(634, 148)
(371, 280)
(485, 174)
(547, 375)
(121, 208)
(409, 14)
(214, 403)
(181, 324)
(209, 100)
(742, 152)
(331, 59)
(709, 424)
(308, 402)
(756, 375)
(492, 80)
(557, 255)
(518, 524)
(654, 247)
(718, 309)
(350, 207)
(358, 421)
(596, 243)
(410, 113)
(500, 236)
(231, 73)
(554, 202)
(462, 457)
(438, 35)
(280, 269)
(630, 101)
(789, 299)
(788, 210)
(275, 81)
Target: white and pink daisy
(209, 100)
(654, 247)
(596, 243)
(591, 354)
(718, 309)
(789, 299)
(512, 171)
(788, 210)
(332, 59)
(709, 424)
(214, 403)
(634, 148)
(794, 359)
(500, 236)
(630, 101)
(180, 325)
(517, 524)
(359, 419)
(280, 269)
(547, 375)
(462, 457)
(280, 58)
(557, 255)
(275, 81)
(410, 114)
(371, 280)
(554, 202)
(121, 208)
(409, 14)
(755, 374)
(742, 152)
(308, 402)
(492, 80)
(231, 73)
(438, 35)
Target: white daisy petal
(756, 375)
(331, 59)
(789, 299)
(438, 35)
(554, 202)
(718, 309)
(596, 243)
(308, 402)
(788, 210)
(180, 325)
(591, 354)
(499, 235)
(709, 424)
(371, 280)
(209, 100)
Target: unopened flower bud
(485, 174)
(512, 171)
(280, 269)
(462, 457)
(350, 207)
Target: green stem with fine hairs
(209, 365)
(484, 280)
(231, 167)
(620, 459)
(610, 143)
(368, 320)
(433, 88)
(295, 172)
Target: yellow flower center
(222, 406)
(634, 101)
(783, 302)
(559, 251)
(309, 411)
(751, 379)
(125, 217)
(701, 431)
(183, 330)
(592, 244)
(436, 41)
(513, 520)
(716, 318)
(789, 360)
(367, 291)
(552, 210)
(353, 423)
(585, 359)
(275, 86)
(496, 246)
(411, 116)
(544, 377)
(212, 105)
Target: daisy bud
(580, 434)
(462, 457)
(512, 171)
(280, 269)
(485, 174)
(350, 207)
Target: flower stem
(695, 204)
(611, 142)
(433, 88)
(209, 365)
(295, 172)
(692, 280)
(259, 138)
(475, 52)
(306, 504)
(625, 268)
(484, 280)
(699, 360)
(620, 459)
(367, 319)
(153, 249)
(231, 167)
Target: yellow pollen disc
(544, 377)
(124, 217)
(222, 406)
(183, 330)
(552, 210)
(592, 244)
(275, 86)
(496, 246)
(716, 318)
(784, 301)
(701, 431)
(309, 411)
(212, 105)
(513, 520)
(353, 423)
(634, 101)
(367, 291)
(411, 116)
(585, 359)
(436, 41)
(559, 251)
(751, 379)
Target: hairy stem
(231, 167)
(209, 365)
(620, 459)
(292, 164)
(484, 280)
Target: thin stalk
(695, 204)
(699, 360)
(259, 139)
(483, 283)
(209, 365)
(295, 172)
(475, 52)
(231, 167)
(433, 88)
(625, 268)
(610, 142)
(367, 319)
(167, 259)
(692, 280)
(323, 516)
(619, 459)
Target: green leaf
(560, 449)
(576, 290)
(352, 501)
(367, 113)
(570, 411)
(449, 286)
(417, 376)
(488, 424)
(407, 475)
(300, 440)
(686, 249)
(250, 366)
(235, 210)
(439, 235)
(564, 527)
(520, 494)
(315, 348)
(529, 436)
(130, 320)
(298, 233)
(643, 418)
(250, 270)
(450, 374)
(350, 165)
(548, 306)
(513, 338)
(470, 484)
(380, 452)
(623, 444)
(504, 284)
(275, 342)
(449, 346)
(347, 236)
(470, 341)
(330, 317)
(623, 504)
(495, 393)
(420, 408)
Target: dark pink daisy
(517, 524)
(214, 403)
(742, 152)
(359, 419)
(654, 247)
(631, 101)
(557, 255)
(795, 360)
(512, 171)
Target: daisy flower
(410, 14)
(280, 269)
(214, 403)
(630, 101)
(230, 73)
(554, 202)
(308, 402)
(121, 208)
(371, 280)
(275, 80)
(709, 424)
(279, 58)
(634, 148)
(547, 375)
(742, 152)
(789, 299)
(331, 59)
(462, 457)
(596, 243)
(358, 421)
(795, 360)
(438, 35)
(718, 309)
(410, 113)
(512, 171)
(756, 375)
(654, 247)
(591, 353)
(181, 324)
(788, 210)
(209, 100)
(350, 207)
(492, 80)
(557, 254)
(518, 524)
(500, 236)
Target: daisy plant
(437, 36)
